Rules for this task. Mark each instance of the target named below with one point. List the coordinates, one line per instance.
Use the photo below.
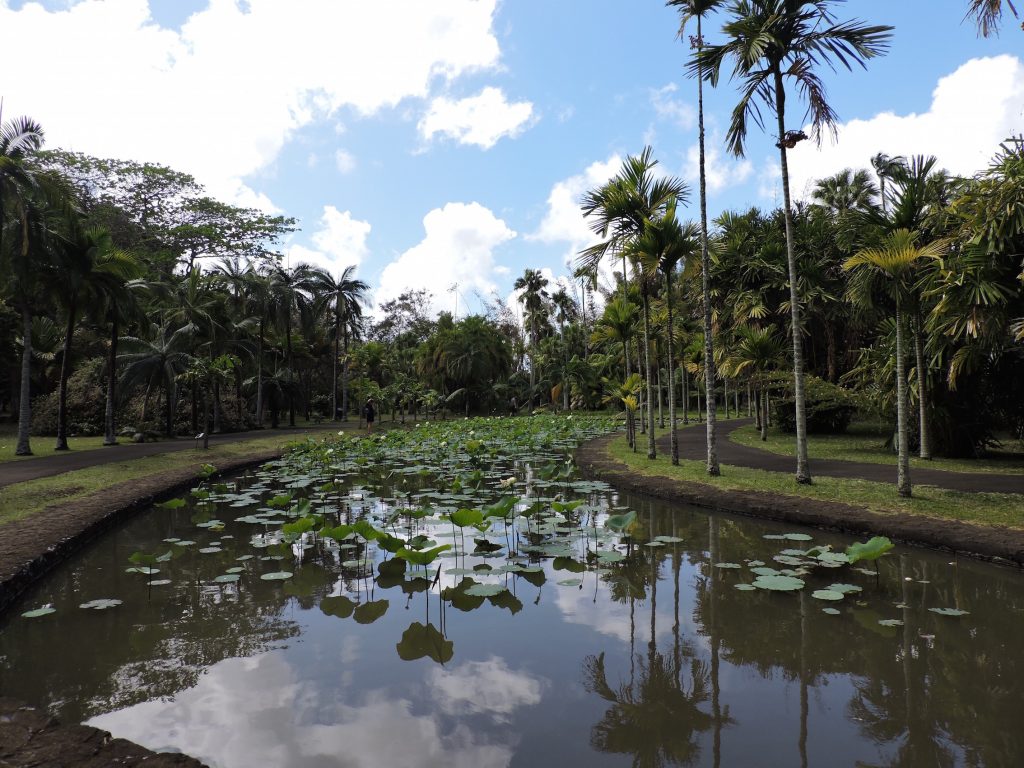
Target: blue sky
(448, 141)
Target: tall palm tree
(885, 168)
(91, 270)
(895, 259)
(988, 14)
(758, 353)
(533, 298)
(616, 326)
(771, 42)
(565, 312)
(846, 191)
(161, 356)
(689, 10)
(19, 186)
(291, 292)
(346, 297)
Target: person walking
(370, 413)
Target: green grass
(865, 441)
(981, 508)
(22, 500)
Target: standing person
(370, 412)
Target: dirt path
(48, 465)
(997, 543)
(692, 445)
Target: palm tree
(291, 291)
(757, 354)
(770, 42)
(533, 298)
(688, 10)
(885, 168)
(616, 326)
(161, 357)
(91, 270)
(988, 14)
(895, 259)
(19, 260)
(565, 312)
(846, 191)
(346, 296)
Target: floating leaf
(826, 594)
(846, 589)
(570, 582)
(621, 523)
(35, 613)
(276, 576)
(159, 582)
(890, 622)
(668, 539)
(728, 565)
(228, 578)
(419, 641)
(949, 611)
(765, 571)
(101, 604)
(610, 556)
(797, 537)
(142, 569)
(339, 606)
(831, 611)
(779, 583)
(485, 590)
(745, 587)
(184, 543)
(172, 504)
(210, 550)
(237, 569)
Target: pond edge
(996, 544)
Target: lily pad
(846, 589)
(485, 590)
(228, 578)
(728, 565)
(668, 539)
(237, 569)
(276, 576)
(831, 611)
(35, 613)
(367, 613)
(101, 604)
(570, 582)
(890, 622)
(779, 583)
(210, 550)
(797, 536)
(746, 587)
(159, 582)
(826, 594)
(949, 611)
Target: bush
(830, 408)
(86, 402)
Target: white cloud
(482, 120)
(972, 110)
(220, 97)
(340, 241)
(345, 161)
(458, 247)
(564, 221)
(671, 109)
(719, 172)
(488, 687)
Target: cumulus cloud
(720, 172)
(339, 240)
(564, 221)
(484, 687)
(972, 110)
(481, 120)
(458, 247)
(671, 109)
(220, 97)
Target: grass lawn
(865, 441)
(982, 508)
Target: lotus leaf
(228, 578)
(779, 583)
(949, 611)
(484, 590)
(276, 576)
(35, 613)
(367, 613)
(101, 604)
(172, 504)
(872, 549)
(826, 594)
(419, 641)
(890, 622)
(831, 611)
(745, 587)
(621, 523)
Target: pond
(564, 624)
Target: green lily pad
(210, 550)
(184, 543)
(276, 576)
(570, 582)
(228, 578)
(797, 537)
(872, 549)
(143, 569)
(172, 504)
(35, 613)
(826, 594)
(159, 582)
(745, 587)
(610, 556)
(367, 613)
(779, 583)
(728, 565)
(339, 606)
(890, 622)
(485, 590)
(237, 569)
(846, 589)
(764, 571)
(831, 611)
(949, 611)
(668, 539)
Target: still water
(656, 659)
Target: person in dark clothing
(371, 413)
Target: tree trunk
(757, 409)
(661, 412)
(334, 364)
(291, 371)
(651, 450)
(23, 447)
(764, 415)
(259, 378)
(673, 439)
(344, 378)
(686, 397)
(903, 472)
(705, 262)
(803, 468)
(62, 389)
(170, 409)
(206, 415)
(109, 431)
(924, 428)
(830, 352)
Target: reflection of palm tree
(653, 719)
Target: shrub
(830, 408)
(86, 402)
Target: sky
(448, 142)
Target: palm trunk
(291, 371)
(673, 439)
(334, 365)
(651, 450)
(803, 469)
(903, 471)
(686, 397)
(206, 416)
(661, 412)
(23, 447)
(62, 390)
(705, 262)
(344, 378)
(109, 431)
(259, 378)
(924, 428)
(764, 415)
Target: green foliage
(830, 408)
(872, 549)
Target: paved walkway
(693, 445)
(50, 463)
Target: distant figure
(513, 406)
(371, 413)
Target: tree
(161, 357)
(988, 15)
(565, 312)
(346, 297)
(688, 10)
(770, 42)
(533, 297)
(895, 259)
(21, 254)
(885, 168)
